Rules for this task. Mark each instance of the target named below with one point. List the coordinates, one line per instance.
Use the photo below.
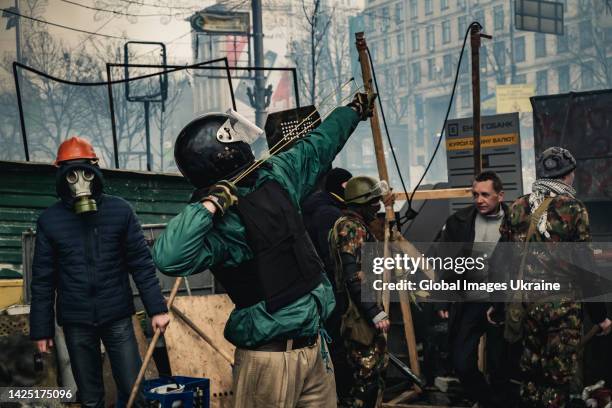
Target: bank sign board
(500, 146)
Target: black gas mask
(369, 210)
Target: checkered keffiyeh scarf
(543, 188)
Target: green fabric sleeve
(299, 168)
(188, 245)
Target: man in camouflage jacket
(552, 328)
(363, 323)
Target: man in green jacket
(251, 236)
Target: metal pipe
(112, 114)
(259, 61)
(229, 81)
(148, 135)
(475, 46)
(21, 116)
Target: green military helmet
(363, 189)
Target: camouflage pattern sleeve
(582, 226)
(351, 235)
(516, 223)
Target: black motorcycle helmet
(203, 159)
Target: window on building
(443, 4)
(519, 49)
(465, 62)
(398, 12)
(420, 157)
(461, 27)
(498, 17)
(585, 29)
(374, 51)
(415, 40)
(466, 97)
(386, 48)
(484, 88)
(520, 79)
(428, 6)
(461, 4)
(448, 65)
(480, 17)
(563, 73)
(586, 77)
(446, 32)
(540, 45)
(416, 73)
(403, 105)
(562, 43)
(414, 9)
(420, 139)
(418, 110)
(430, 38)
(499, 53)
(484, 58)
(431, 69)
(401, 44)
(403, 75)
(385, 19)
(608, 35)
(542, 82)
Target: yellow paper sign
(514, 98)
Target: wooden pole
(149, 354)
(443, 193)
(475, 46)
(381, 163)
(475, 36)
(203, 336)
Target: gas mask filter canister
(80, 184)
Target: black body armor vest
(285, 265)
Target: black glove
(363, 104)
(222, 195)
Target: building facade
(416, 46)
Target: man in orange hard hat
(86, 246)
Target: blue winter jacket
(81, 263)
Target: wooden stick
(147, 358)
(400, 405)
(200, 333)
(482, 354)
(413, 353)
(456, 192)
(366, 72)
(403, 397)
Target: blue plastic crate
(187, 397)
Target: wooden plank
(141, 340)
(191, 356)
(406, 395)
(482, 354)
(409, 333)
(400, 405)
(459, 192)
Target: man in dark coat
(86, 246)
(474, 229)
(321, 210)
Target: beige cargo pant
(292, 379)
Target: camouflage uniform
(367, 351)
(551, 330)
